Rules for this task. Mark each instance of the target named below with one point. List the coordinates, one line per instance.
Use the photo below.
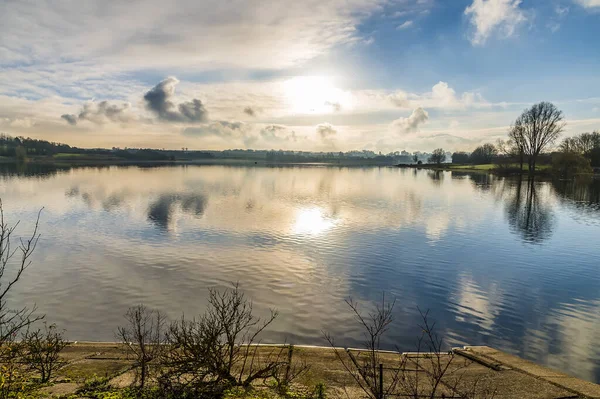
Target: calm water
(498, 262)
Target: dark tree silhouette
(586, 144)
(460, 157)
(438, 156)
(484, 154)
(536, 129)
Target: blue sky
(385, 75)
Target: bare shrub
(41, 351)
(430, 372)
(219, 350)
(143, 337)
(365, 370)
(289, 371)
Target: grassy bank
(482, 168)
(106, 371)
(105, 160)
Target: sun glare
(314, 95)
(312, 221)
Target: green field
(62, 156)
(491, 166)
(487, 166)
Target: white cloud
(187, 33)
(490, 16)
(24, 123)
(588, 3)
(411, 124)
(441, 96)
(224, 129)
(248, 135)
(563, 11)
(554, 23)
(405, 25)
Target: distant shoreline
(207, 161)
(89, 162)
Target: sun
(314, 95)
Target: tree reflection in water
(529, 215)
(581, 194)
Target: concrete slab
(516, 362)
(570, 386)
(483, 350)
(60, 389)
(586, 388)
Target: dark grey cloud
(219, 128)
(277, 133)
(159, 100)
(160, 211)
(102, 112)
(70, 118)
(246, 133)
(249, 111)
(326, 131)
(337, 107)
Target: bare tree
(516, 144)
(582, 144)
(41, 351)
(143, 337)
(570, 144)
(438, 156)
(508, 151)
(536, 129)
(588, 141)
(13, 262)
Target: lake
(497, 261)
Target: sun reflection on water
(312, 221)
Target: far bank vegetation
(533, 146)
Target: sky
(315, 75)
